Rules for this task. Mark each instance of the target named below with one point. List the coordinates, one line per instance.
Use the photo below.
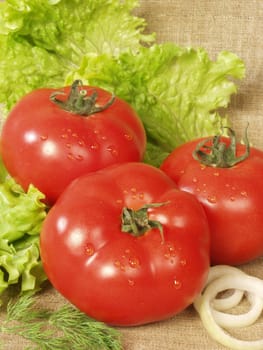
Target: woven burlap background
(235, 25)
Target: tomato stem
(219, 154)
(137, 222)
(78, 100)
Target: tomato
(125, 246)
(51, 142)
(231, 196)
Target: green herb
(65, 328)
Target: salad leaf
(21, 218)
(176, 91)
(41, 40)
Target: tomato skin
(231, 197)
(113, 276)
(47, 146)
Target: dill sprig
(64, 328)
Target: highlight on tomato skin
(229, 185)
(52, 136)
(126, 250)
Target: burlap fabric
(235, 25)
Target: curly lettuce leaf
(176, 91)
(41, 40)
(21, 218)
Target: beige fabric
(235, 25)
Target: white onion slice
(220, 279)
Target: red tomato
(118, 277)
(48, 146)
(231, 196)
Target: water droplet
(202, 167)
(119, 265)
(243, 193)
(133, 190)
(89, 249)
(233, 188)
(69, 130)
(194, 179)
(127, 251)
(64, 136)
(216, 174)
(141, 195)
(131, 283)
(94, 146)
(177, 284)
(182, 171)
(70, 156)
(68, 145)
(211, 199)
(119, 201)
(112, 150)
(43, 137)
(74, 135)
(170, 251)
(232, 199)
(134, 262)
(79, 157)
(128, 137)
(81, 143)
(183, 262)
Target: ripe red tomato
(119, 277)
(231, 196)
(49, 143)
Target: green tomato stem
(79, 102)
(220, 155)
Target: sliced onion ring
(220, 279)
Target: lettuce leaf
(41, 40)
(176, 91)
(21, 218)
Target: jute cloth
(235, 25)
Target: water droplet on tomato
(43, 137)
(68, 145)
(79, 157)
(89, 249)
(94, 146)
(112, 150)
(81, 143)
(232, 198)
(194, 180)
(70, 156)
(64, 136)
(211, 199)
(183, 262)
(134, 262)
(128, 137)
(131, 283)
(216, 173)
(177, 284)
(243, 193)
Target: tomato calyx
(219, 154)
(79, 102)
(137, 222)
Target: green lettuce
(176, 91)
(41, 40)
(21, 218)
